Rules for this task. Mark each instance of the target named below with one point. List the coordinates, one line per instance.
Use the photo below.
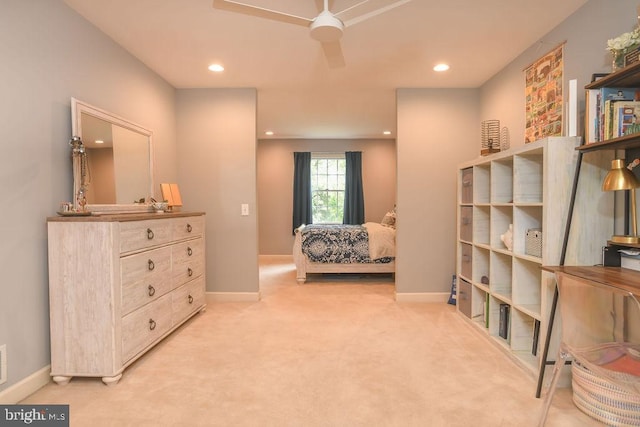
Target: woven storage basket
(533, 242)
(602, 400)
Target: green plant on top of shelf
(621, 45)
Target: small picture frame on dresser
(171, 193)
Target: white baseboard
(26, 387)
(233, 297)
(422, 297)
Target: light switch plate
(244, 209)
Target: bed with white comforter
(366, 248)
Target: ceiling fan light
(326, 27)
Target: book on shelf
(486, 311)
(536, 336)
(503, 323)
(626, 114)
(599, 111)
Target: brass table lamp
(621, 178)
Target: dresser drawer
(144, 277)
(145, 325)
(188, 261)
(137, 235)
(187, 299)
(188, 227)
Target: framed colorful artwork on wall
(543, 96)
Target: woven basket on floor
(603, 400)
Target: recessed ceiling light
(387, 132)
(99, 141)
(216, 68)
(269, 133)
(441, 67)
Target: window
(327, 187)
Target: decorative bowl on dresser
(118, 284)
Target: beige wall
(217, 173)
(49, 54)
(275, 184)
(437, 129)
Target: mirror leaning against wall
(113, 167)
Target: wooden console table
(616, 277)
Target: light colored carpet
(325, 353)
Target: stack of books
(611, 113)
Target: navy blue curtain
(301, 189)
(353, 194)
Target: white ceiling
(299, 95)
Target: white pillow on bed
(382, 240)
(389, 219)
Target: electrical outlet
(3, 363)
(244, 209)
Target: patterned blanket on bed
(338, 244)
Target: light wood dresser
(118, 284)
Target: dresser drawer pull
(189, 228)
(189, 251)
(152, 291)
(190, 299)
(189, 272)
(151, 265)
(149, 234)
(152, 324)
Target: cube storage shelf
(504, 292)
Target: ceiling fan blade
(260, 12)
(333, 54)
(357, 13)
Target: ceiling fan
(327, 27)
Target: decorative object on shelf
(543, 96)
(624, 49)
(505, 143)
(484, 280)
(632, 56)
(597, 76)
(81, 176)
(621, 178)
(507, 237)
(490, 137)
(533, 242)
